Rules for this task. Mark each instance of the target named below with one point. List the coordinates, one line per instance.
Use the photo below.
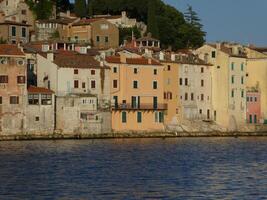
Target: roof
(13, 23)
(228, 51)
(71, 59)
(84, 22)
(64, 21)
(10, 50)
(147, 38)
(39, 90)
(132, 61)
(108, 16)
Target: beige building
(137, 92)
(228, 83)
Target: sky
(242, 21)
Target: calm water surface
(197, 168)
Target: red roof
(83, 22)
(39, 90)
(133, 61)
(10, 50)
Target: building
(148, 42)
(40, 111)
(137, 94)
(97, 32)
(228, 83)
(13, 89)
(253, 115)
(81, 85)
(14, 32)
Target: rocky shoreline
(57, 136)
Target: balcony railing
(125, 106)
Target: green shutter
(139, 117)
(124, 117)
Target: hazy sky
(230, 20)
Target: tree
(63, 5)
(192, 18)
(152, 26)
(126, 33)
(90, 8)
(42, 9)
(80, 8)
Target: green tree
(90, 8)
(127, 33)
(63, 5)
(80, 8)
(152, 26)
(41, 9)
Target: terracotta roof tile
(83, 22)
(39, 90)
(132, 61)
(10, 50)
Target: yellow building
(137, 93)
(228, 83)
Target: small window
(33, 99)
(233, 66)
(115, 70)
(76, 84)
(155, 71)
(14, 100)
(200, 111)
(135, 70)
(93, 84)
(92, 72)
(192, 96)
(46, 99)
(169, 68)
(124, 117)
(115, 83)
(37, 119)
(13, 31)
(97, 38)
(76, 71)
(202, 97)
(255, 99)
(155, 85)
(1, 100)
(213, 54)
(135, 84)
(233, 94)
(186, 81)
(21, 79)
(3, 79)
(242, 80)
(106, 39)
(23, 32)
(242, 93)
(202, 83)
(139, 117)
(233, 79)
(83, 85)
(181, 81)
(23, 12)
(186, 97)
(218, 67)
(242, 66)
(247, 99)
(202, 69)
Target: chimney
(161, 55)
(172, 57)
(218, 46)
(50, 56)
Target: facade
(13, 90)
(228, 83)
(148, 42)
(253, 115)
(14, 32)
(99, 33)
(40, 111)
(137, 94)
(81, 85)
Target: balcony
(139, 107)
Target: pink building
(253, 107)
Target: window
(170, 95)
(92, 72)
(251, 99)
(169, 68)
(155, 85)
(115, 83)
(155, 102)
(255, 99)
(181, 81)
(232, 66)
(215, 115)
(3, 79)
(202, 83)
(33, 99)
(233, 79)
(135, 70)
(93, 84)
(83, 85)
(1, 100)
(186, 81)
(13, 31)
(159, 117)
(233, 93)
(247, 99)
(97, 38)
(200, 111)
(218, 67)
(14, 100)
(76, 84)
(213, 54)
(76, 71)
(242, 66)
(242, 93)
(124, 117)
(23, 32)
(139, 117)
(255, 119)
(106, 39)
(155, 71)
(115, 70)
(23, 12)
(202, 69)
(135, 84)
(202, 97)
(186, 97)
(242, 80)
(46, 99)
(192, 96)
(37, 118)
(20, 79)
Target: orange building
(137, 93)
